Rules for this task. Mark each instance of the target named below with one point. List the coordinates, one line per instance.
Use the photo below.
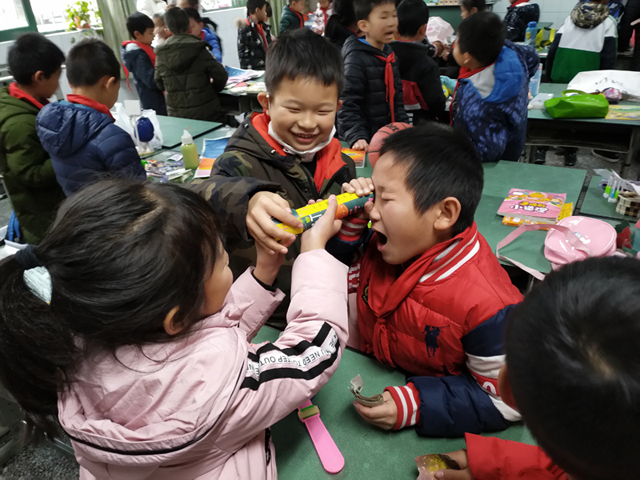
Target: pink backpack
(572, 239)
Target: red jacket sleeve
(491, 458)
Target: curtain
(114, 14)
(276, 6)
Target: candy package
(428, 465)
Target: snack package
(428, 465)
(357, 384)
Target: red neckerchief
(464, 73)
(82, 100)
(261, 33)
(15, 92)
(518, 2)
(328, 160)
(147, 49)
(324, 10)
(388, 81)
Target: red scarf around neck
(260, 30)
(389, 82)
(147, 49)
(89, 102)
(518, 2)
(15, 92)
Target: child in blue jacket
(490, 102)
(79, 132)
(139, 58)
(198, 29)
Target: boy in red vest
(139, 58)
(432, 297)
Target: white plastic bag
(596, 81)
(438, 30)
(124, 122)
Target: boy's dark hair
(303, 53)
(471, 4)
(573, 363)
(89, 61)
(193, 13)
(441, 162)
(193, 3)
(483, 36)
(363, 8)
(31, 53)
(412, 15)
(253, 5)
(176, 20)
(138, 22)
(343, 17)
(269, 10)
(121, 256)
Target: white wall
(555, 11)
(228, 32)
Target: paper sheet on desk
(237, 75)
(598, 80)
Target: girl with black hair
(342, 23)
(125, 324)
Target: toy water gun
(348, 204)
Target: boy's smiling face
(403, 232)
(381, 25)
(302, 111)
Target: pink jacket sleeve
(280, 376)
(491, 458)
(246, 290)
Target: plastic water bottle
(189, 152)
(534, 83)
(532, 32)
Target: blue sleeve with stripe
(453, 405)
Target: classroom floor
(44, 462)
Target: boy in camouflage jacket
(285, 157)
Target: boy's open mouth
(304, 138)
(382, 239)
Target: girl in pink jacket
(125, 323)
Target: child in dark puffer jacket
(185, 70)
(254, 36)
(79, 133)
(372, 97)
(518, 16)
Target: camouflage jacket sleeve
(228, 190)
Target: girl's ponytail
(35, 348)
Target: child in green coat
(34, 62)
(292, 16)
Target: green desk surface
(557, 89)
(501, 177)
(173, 128)
(369, 452)
(595, 205)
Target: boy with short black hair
(189, 75)
(254, 36)
(79, 133)
(573, 376)
(432, 298)
(198, 30)
(519, 14)
(373, 89)
(29, 178)
(491, 99)
(139, 58)
(292, 16)
(422, 90)
(285, 157)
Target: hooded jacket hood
(589, 15)
(502, 80)
(64, 127)
(183, 50)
